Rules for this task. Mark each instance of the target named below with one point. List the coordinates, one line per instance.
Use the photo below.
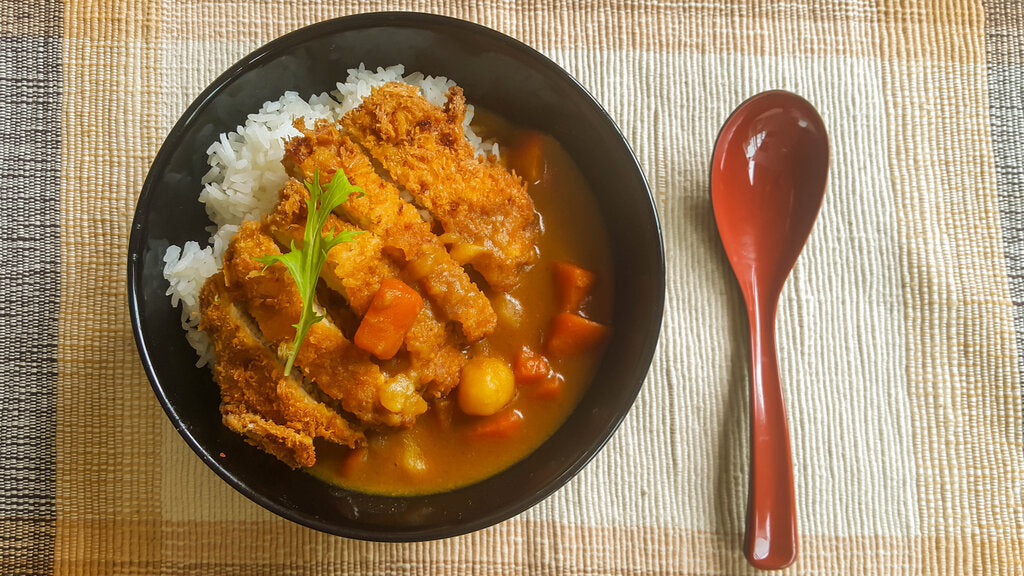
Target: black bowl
(497, 73)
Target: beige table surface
(901, 329)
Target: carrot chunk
(530, 366)
(572, 285)
(527, 157)
(392, 312)
(570, 335)
(501, 425)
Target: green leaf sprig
(305, 263)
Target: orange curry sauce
(446, 449)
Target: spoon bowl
(768, 175)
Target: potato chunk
(487, 386)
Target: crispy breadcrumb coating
(424, 149)
(326, 356)
(396, 222)
(355, 270)
(274, 412)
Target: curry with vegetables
(411, 316)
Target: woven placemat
(900, 329)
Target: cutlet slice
(355, 270)
(433, 352)
(326, 356)
(397, 223)
(480, 204)
(293, 448)
(273, 411)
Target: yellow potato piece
(486, 387)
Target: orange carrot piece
(572, 285)
(549, 388)
(501, 425)
(392, 312)
(529, 366)
(527, 157)
(570, 335)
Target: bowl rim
(271, 49)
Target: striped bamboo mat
(902, 329)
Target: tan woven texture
(896, 330)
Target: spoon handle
(771, 540)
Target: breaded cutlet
(424, 149)
(397, 223)
(355, 270)
(274, 412)
(341, 369)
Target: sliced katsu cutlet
(424, 149)
(355, 270)
(396, 222)
(273, 411)
(342, 370)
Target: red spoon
(768, 178)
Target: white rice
(246, 174)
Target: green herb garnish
(305, 263)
